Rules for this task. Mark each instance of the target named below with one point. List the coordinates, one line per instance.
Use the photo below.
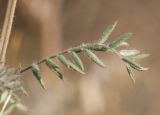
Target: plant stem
(43, 60)
(77, 49)
(6, 30)
(6, 102)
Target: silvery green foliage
(9, 77)
(54, 68)
(9, 82)
(128, 56)
(37, 74)
(77, 60)
(94, 58)
(107, 33)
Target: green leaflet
(74, 67)
(123, 44)
(129, 52)
(14, 84)
(63, 60)
(50, 63)
(68, 64)
(107, 33)
(119, 40)
(37, 74)
(54, 68)
(94, 58)
(77, 60)
(134, 65)
(140, 56)
(130, 72)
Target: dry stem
(6, 30)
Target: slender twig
(77, 49)
(6, 102)
(6, 30)
(42, 61)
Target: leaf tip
(42, 84)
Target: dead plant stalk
(6, 30)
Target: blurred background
(44, 27)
